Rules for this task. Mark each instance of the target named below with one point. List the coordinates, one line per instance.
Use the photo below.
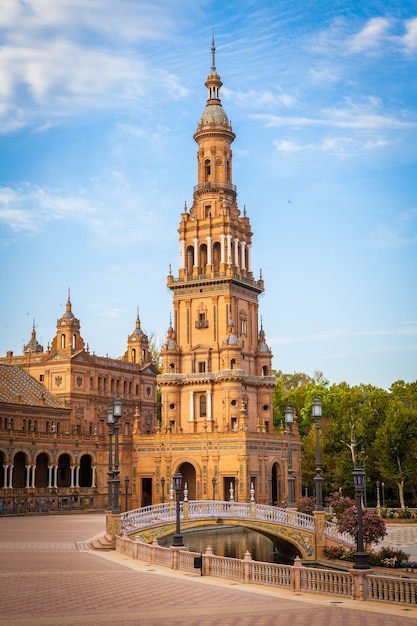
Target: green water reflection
(232, 541)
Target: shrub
(306, 504)
(385, 557)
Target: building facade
(60, 460)
(216, 382)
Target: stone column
(191, 406)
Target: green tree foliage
(357, 425)
(395, 446)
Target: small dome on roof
(214, 113)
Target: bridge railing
(158, 514)
(354, 584)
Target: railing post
(113, 525)
(359, 584)
(207, 561)
(247, 560)
(154, 545)
(296, 574)
(319, 533)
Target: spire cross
(213, 54)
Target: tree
(395, 446)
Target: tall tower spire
(215, 293)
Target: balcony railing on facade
(215, 187)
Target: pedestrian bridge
(306, 533)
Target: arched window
(264, 370)
(203, 258)
(190, 259)
(62, 341)
(216, 256)
(207, 171)
(233, 364)
(133, 355)
(74, 341)
(203, 405)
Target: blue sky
(99, 100)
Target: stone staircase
(102, 542)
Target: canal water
(232, 541)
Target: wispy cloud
(63, 58)
(400, 232)
(29, 208)
(377, 36)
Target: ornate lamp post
(177, 478)
(316, 411)
(110, 423)
(114, 414)
(127, 493)
(361, 559)
(163, 492)
(289, 420)
(213, 482)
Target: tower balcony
(214, 187)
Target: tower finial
(213, 54)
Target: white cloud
(61, 58)
(409, 40)
(371, 37)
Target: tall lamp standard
(114, 414)
(110, 423)
(316, 410)
(163, 492)
(361, 558)
(289, 420)
(213, 482)
(127, 493)
(177, 479)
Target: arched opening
(133, 355)
(207, 171)
(74, 342)
(276, 495)
(203, 258)
(189, 264)
(86, 472)
(19, 470)
(189, 476)
(233, 364)
(41, 476)
(265, 370)
(62, 341)
(64, 470)
(216, 256)
(203, 405)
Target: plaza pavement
(50, 576)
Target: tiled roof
(18, 387)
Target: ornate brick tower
(216, 385)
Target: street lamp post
(114, 414)
(289, 420)
(361, 558)
(127, 493)
(177, 478)
(316, 411)
(213, 482)
(163, 492)
(110, 422)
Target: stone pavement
(50, 576)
